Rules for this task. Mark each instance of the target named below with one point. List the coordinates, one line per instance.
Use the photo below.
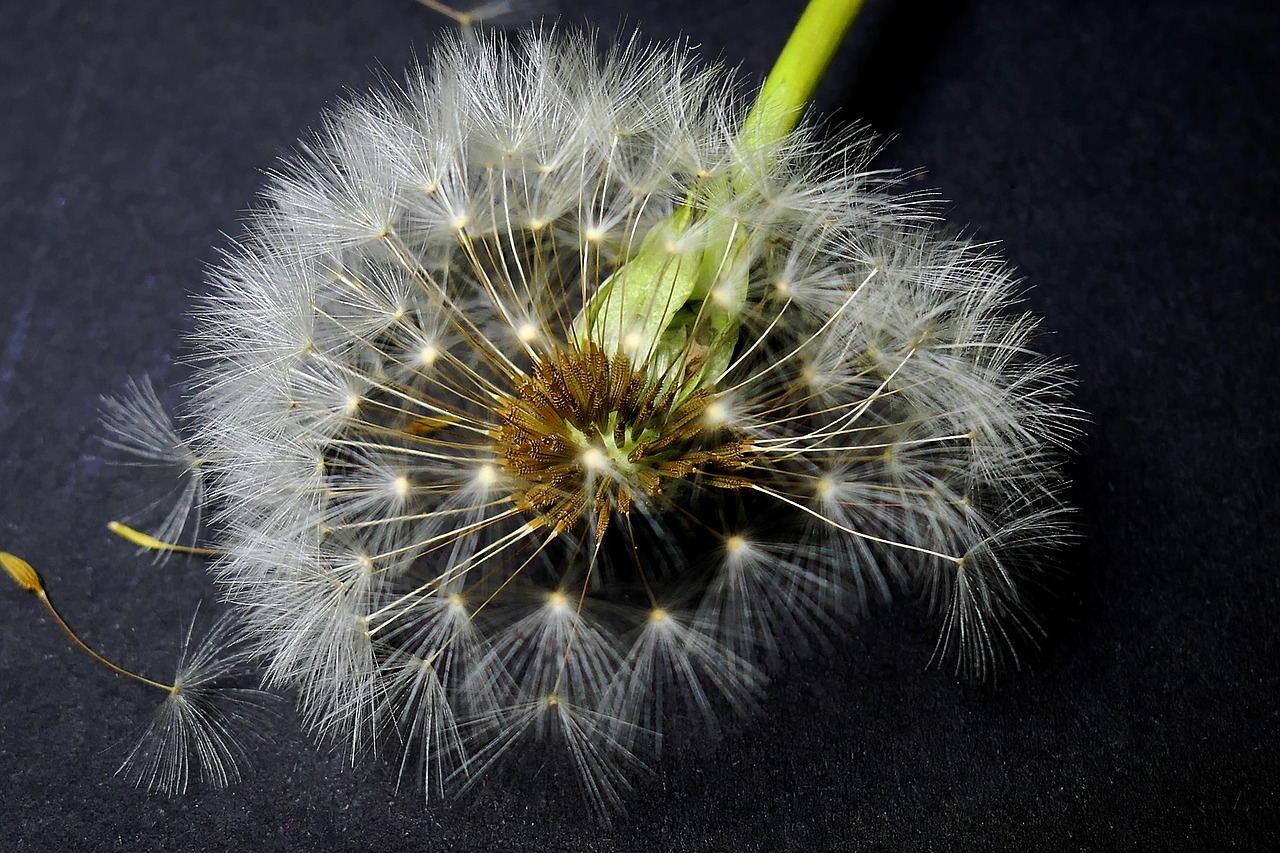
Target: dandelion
(555, 395)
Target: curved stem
(168, 688)
(29, 579)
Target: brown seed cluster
(586, 434)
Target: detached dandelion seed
(555, 394)
(206, 714)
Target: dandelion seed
(140, 430)
(207, 713)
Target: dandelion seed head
(537, 407)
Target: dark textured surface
(1127, 155)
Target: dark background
(1127, 155)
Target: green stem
(656, 308)
(803, 61)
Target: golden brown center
(586, 434)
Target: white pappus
(540, 404)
